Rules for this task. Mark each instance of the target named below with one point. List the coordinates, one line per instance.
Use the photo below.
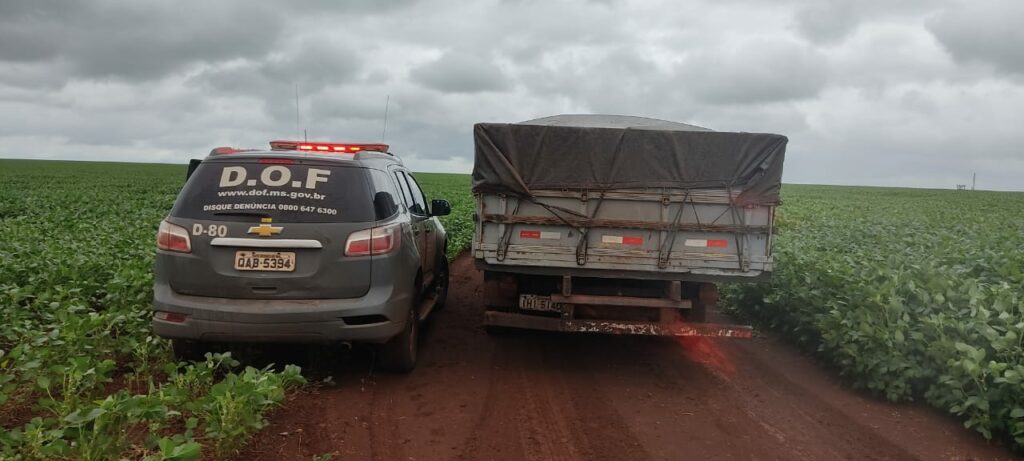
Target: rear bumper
(616, 327)
(542, 268)
(291, 321)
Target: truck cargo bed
(663, 233)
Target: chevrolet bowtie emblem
(265, 229)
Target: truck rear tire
(501, 291)
(698, 313)
(706, 297)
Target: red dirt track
(533, 395)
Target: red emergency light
(228, 150)
(327, 147)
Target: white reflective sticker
(551, 235)
(611, 239)
(696, 243)
(232, 176)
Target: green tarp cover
(607, 152)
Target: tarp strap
(506, 236)
(740, 219)
(665, 252)
(581, 246)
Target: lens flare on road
(709, 353)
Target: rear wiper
(241, 213)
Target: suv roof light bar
(228, 150)
(328, 147)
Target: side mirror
(440, 208)
(192, 165)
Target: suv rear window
(311, 193)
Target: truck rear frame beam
(534, 322)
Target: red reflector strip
(632, 240)
(277, 161)
(170, 316)
(701, 243)
(529, 234)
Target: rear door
(429, 223)
(419, 218)
(269, 228)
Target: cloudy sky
(911, 92)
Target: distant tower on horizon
(974, 179)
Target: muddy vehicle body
(301, 243)
(620, 225)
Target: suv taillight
(376, 241)
(172, 237)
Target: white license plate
(275, 261)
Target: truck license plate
(538, 303)
(275, 261)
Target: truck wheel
(698, 313)
(707, 297)
(399, 354)
(501, 291)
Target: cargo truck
(624, 225)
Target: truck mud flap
(535, 322)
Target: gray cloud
(456, 72)
(983, 31)
(135, 41)
(314, 63)
(831, 21)
(755, 71)
(865, 89)
(828, 20)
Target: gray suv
(302, 243)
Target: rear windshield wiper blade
(241, 213)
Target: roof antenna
(387, 102)
(296, 110)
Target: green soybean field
(81, 374)
(909, 294)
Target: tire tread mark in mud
(491, 422)
(601, 431)
(383, 427)
(804, 408)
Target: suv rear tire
(187, 350)
(398, 355)
(441, 284)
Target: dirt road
(573, 397)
